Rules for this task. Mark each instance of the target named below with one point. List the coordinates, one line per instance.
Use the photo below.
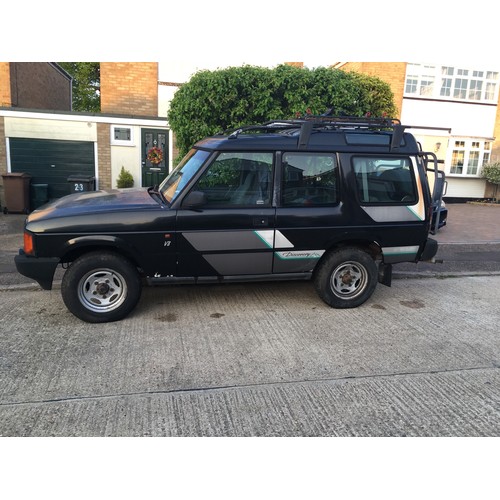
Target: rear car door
(309, 211)
(231, 232)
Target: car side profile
(335, 200)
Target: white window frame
(121, 142)
(468, 147)
(462, 84)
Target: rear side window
(309, 179)
(385, 181)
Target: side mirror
(194, 200)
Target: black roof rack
(319, 122)
(310, 123)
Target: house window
(446, 74)
(448, 82)
(468, 156)
(122, 135)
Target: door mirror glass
(195, 199)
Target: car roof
(359, 135)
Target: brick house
(463, 99)
(41, 135)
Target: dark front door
(154, 172)
(232, 233)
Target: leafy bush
(491, 172)
(125, 179)
(214, 101)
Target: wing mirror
(194, 200)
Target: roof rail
(309, 123)
(317, 122)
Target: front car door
(232, 232)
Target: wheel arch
(76, 247)
(372, 248)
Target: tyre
(100, 287)
(346, 278)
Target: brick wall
(393, 73)
(3, 158)
(495, 152)
(129, 88)
(39, 85)
(104, 155)
(5, 84)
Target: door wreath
(155, 155)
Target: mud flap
(385, 274)
(430, 250)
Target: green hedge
(213, 101)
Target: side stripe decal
(274, 239)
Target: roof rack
(310, 123)
(319, 122)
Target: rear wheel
(100, 287)
(346, 278)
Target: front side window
(385, 180)
(238, 179)
(309, 179)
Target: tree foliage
(491, 172)
(213, 101)
(86, 85)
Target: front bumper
(41, 269)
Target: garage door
(52, 162)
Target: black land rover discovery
(336, 200)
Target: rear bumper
(40, 269)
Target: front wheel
(100, 287)
(346, 278)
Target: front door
(232, 233)
(154, 161)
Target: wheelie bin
(80, 183)
(16, 187)
(39, 195)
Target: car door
(310, 213)
(230, 232)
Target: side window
(238, 179)
(309, 179)
(385, 181)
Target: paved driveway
(419, 359)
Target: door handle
(261, 221)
